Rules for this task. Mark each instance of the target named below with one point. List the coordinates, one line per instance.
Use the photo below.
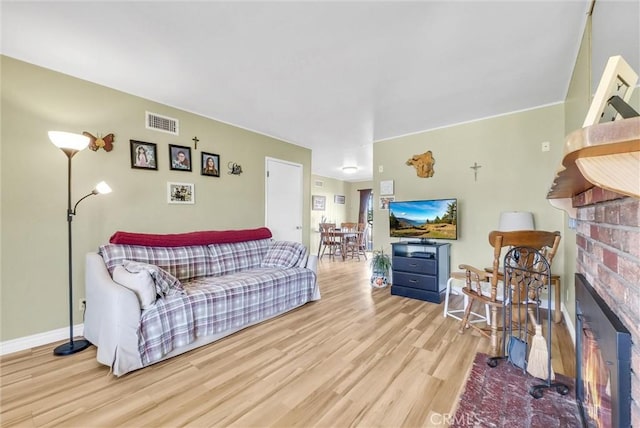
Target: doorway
(283, 199)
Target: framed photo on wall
(181, 193)
(318, 203)
(618, 79)
(384, 201)
(386, 187)
(143, 155)
(210, 164)
(338, 199)
(179, 158)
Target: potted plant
(380, 265)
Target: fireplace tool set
(526, 273)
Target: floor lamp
(71, 144)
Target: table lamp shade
(515, 220)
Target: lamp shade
(102, 188)
(68, 140)
(515, 220)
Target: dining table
(343, 235)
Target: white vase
(379, 279)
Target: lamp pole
(72, 346)
(71, 144)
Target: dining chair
(348, 225)
(485, 287)
(355, 243)
(348, 237)
(328, 239)
(361, 245)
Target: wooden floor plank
(358, 357)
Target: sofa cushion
(165, 283)
(140, 283)
(184, 263)
(214, 305)
(191, 238)
(284, 254)
(238, 256)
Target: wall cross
(475, 168)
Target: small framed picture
(386, 187)
(181, 193)
(143, 155)
(318, 202)
(210, 164)
(384, 201)
(338, 199)
(179, 158)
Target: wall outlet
(81, 304)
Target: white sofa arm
(312, 263)
(111, 319)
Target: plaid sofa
(221, 288)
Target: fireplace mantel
(606, 155)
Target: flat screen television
(427, 219)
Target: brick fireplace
(608, 241)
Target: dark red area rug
(499, 397)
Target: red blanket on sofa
(190, 238)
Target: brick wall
(608, 240)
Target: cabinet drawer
(415, 293)
(413, 280)
(415, 264)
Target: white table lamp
(515, 220)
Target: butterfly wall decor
(96, 143)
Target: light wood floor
(358, 357)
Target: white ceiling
(330, 76)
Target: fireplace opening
(603, 361)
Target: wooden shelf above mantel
(606, 155)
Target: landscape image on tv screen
(428, 219)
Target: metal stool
(475, 317)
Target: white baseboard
(28, 342)
(569, 321)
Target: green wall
(515, 175)
(34, 179)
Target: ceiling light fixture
(349, 169)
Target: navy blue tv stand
(420, 270)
